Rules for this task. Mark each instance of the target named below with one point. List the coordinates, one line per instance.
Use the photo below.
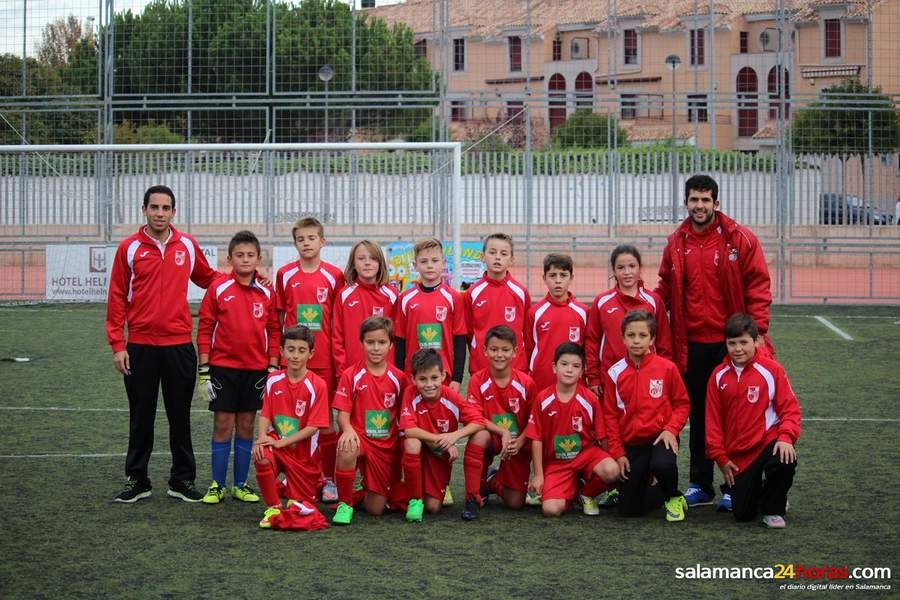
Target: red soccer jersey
(308, 299)
(373, 402)
(548, 324)
(430, 320)
(565, 427)
(639, 403)
(507, 407)
(353, 305)
(238, 325)
(148, 287)
(748, 408)
(604, 345)
(291, 407)
(492, 302)
(440, 416)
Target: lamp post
(326, 73)
(673, 60)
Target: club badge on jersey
(179, 257)
(574, 334)
(656, 388)
(377, 311)
(390, 399)
(300, 408)
(321, 295)
(509, 313)
(753, 394)
(577, 423)
(258, 310)
(440, 313)
(514, 404)
(443, 425)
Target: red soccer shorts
(513, 472)
(377, 466)
(561, 476)
(301, 474)
(436, 472)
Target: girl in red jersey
(603, 338)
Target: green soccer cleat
(532, 499)
(415, 510)
(675, 507)
(343, 514)
(270, 512)
(214, 494)
(245, 493)
(589, 505)
(448, 498)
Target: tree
(58, 39)
(838, 123)
(586, 129)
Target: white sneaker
(589, 505)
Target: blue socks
(242, 450)
(220, 452)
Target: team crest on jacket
(443, 425)
(752, 394)
(390, 399)
(509, 313)
(377, 311)
(656, 388)
(440, 313)
(732, 254)
(514, 404)
(577, 423)
(300, 408)
(258, 310)
(574, 334)
(321, 295)
(179, 257)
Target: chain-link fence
(581, 122)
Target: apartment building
(497, 56)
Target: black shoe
(184, 490)
(472, 509)
(134, 490)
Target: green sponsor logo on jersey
(286, 426)
(506, 421)
(310, 315)
(378, 424)
(566, 447)
(430, 335)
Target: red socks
(344, 482)
(594, 486)
(268, 487)
(328, 452)
(472, 465)
(412, 474)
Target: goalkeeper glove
(205, 384)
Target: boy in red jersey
(496, 299)
(367, 294)
(431, 417)
(237, 340)
(295, 407)
(431, 314)
(558, 318)
(566, 432)
(752, 424)
(645, 407)
(305, 290)
(368, 402)
(504, 395)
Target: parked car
(838, 209)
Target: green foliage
(423, 132)
(586, 129)
(838, 123)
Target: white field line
(840, 332)
(811, 316)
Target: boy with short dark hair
(368, 402)
(646, 406)
(566, 433)
(505, 395)
(431, 314)
(496, 299)
(752, 424)
(431, 417)
(237, 340)
(295, 407)
(305, 289)
(558, 318)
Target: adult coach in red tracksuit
(148, 291)
(711, 268)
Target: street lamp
(326, 73)
(673, 60)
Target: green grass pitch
(63, 537)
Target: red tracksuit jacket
(492, 302)
(148, 287)
(747, 410)
(639, 403)
(353, 305)
(547, 325)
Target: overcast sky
(23, 20)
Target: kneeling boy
(752, 424)
(566, 430)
